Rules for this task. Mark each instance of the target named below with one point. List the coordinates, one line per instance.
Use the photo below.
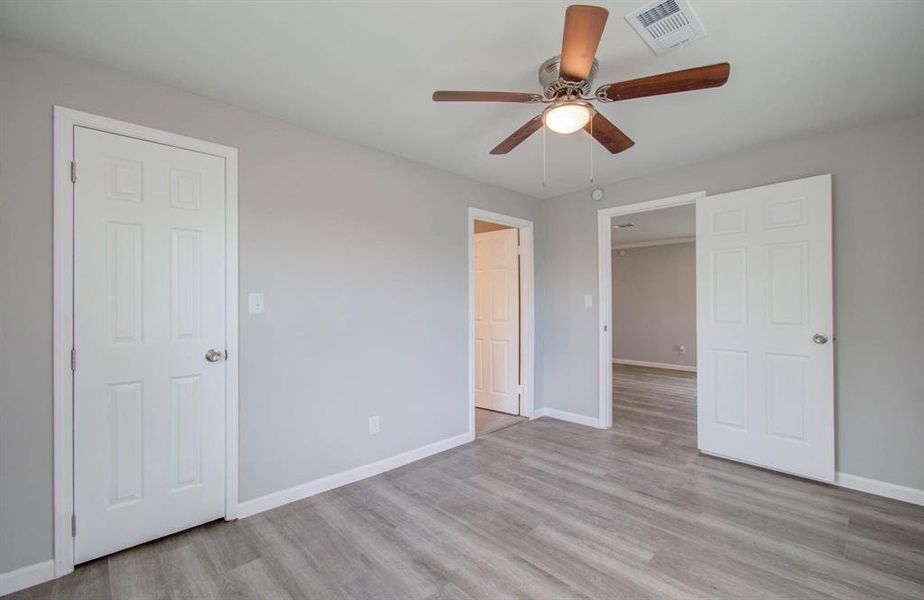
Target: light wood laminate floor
(489, 421)
(546, 509)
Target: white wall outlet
(374, 425)
(680, 348)
(255, 303)
(588, 300)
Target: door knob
(820, 338)
(213, 355)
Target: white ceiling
(364, 71)
(678, 222)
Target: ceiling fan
(566, 83)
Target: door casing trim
(65, 120)
(605, 291)
(527, 310)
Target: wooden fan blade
(456, 96)
(583, 30)
(610, 137)
(517, 137)
(668, 83)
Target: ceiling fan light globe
(567, 117)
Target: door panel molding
(124, 184)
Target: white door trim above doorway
(527, 312)
(605, 291)
(65, 120)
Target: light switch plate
(588, 300)
(255, 303)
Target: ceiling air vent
(666, 24)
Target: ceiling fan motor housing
(553, 85)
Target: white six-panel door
(149, 302)
(497, 321)
(765, 326)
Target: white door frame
(605, 290)
(527, 310)
(65, 120)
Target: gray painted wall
(878, 172)
(361, 255)
(654, 304)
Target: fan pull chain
(591, 149)
(545, 182)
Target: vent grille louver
(666, 24)
(659, 12)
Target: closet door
(149, 332)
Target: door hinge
(519, 250)
(73, 171)
(73, 359)
(73, 525)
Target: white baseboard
(653, 365)
(311, 488)
(561, 415)
(880, 488)
(24, 577)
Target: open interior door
(497, 321)
(765, 365)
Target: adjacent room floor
(489, 421)
(547, 509)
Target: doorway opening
(654, 321)
(500, 321)
(654, 289)
(657, 224)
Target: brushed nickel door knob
(213, 355)
(820, 338)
